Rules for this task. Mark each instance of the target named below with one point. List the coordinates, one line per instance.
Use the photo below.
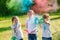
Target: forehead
(31, 11)
(47, 14)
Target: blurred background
(9, 8)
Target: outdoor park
(10, 8)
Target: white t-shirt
(31, 25)
(46, 30)
(18, 31)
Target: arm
(18, 28)
(26, 25)
(14, 30)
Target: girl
(16, 28)
(46, 34)
(31, 25)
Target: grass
(6, 32)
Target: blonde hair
(45, 15)
(31, 11)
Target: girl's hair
(31, 11)
(14, 17)
(45, 15)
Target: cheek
(16, 21)
(13, 21)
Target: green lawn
(6, 32)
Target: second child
(46, 33)
(31, 23)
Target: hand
(33, 31)
(26, 31)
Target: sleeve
(36, 20)
(12, 27)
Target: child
(16, 28)
(46, 34)
(31, 25)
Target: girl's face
(30, 13)
(46, 15)
(15, 21)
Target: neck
(15, 23)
